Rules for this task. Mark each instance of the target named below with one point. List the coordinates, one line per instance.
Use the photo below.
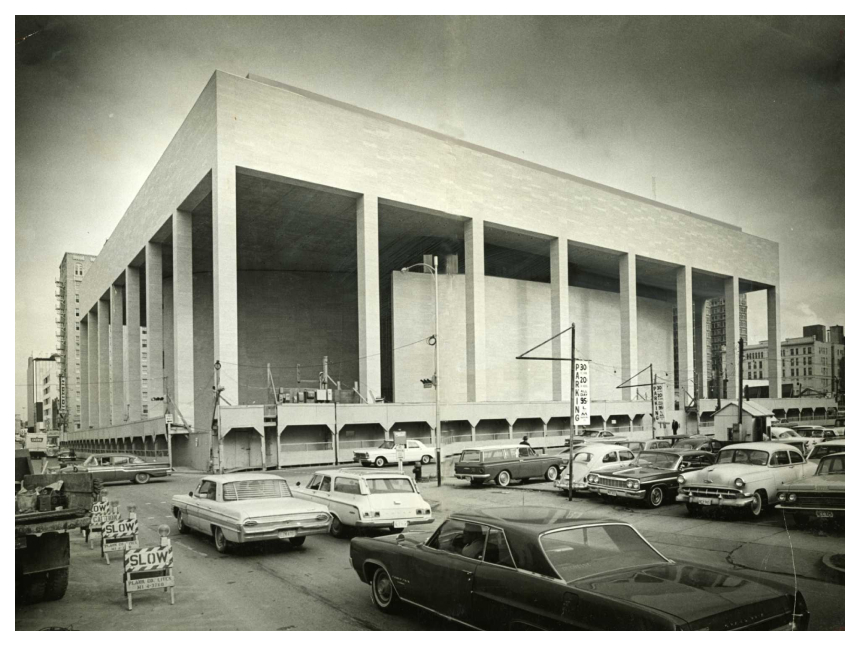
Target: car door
(344, 500)
(102, 468)
(625, 457)
(413, 451)
(198, 509)
(120, 464)
(782, 471)
(443, 569)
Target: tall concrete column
(733, 334)
(560, 316)
(700, 343)
(93, 368)
(629, 327)
(104, 380)
(117, 372)
(225, 307)
(476, 327)
(369, 344)
(155, 327)
(774, 344)
(686, 355)
(167, 336)
(133, 375)
(183, 317)
(85, 372)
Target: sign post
(659, 399)
(581, 411)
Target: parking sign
(581, 395)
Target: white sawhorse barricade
(149, 568)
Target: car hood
(723, 474)
(692, 593)
(835, 482)
(263, 507)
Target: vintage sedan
(590, 457)
(818, 496)
(536, 568)
(506, 463)
(637, 446)
(652, 478)
(118, 467)
(745, 476)
(816, 434)
(386, 453)
(826, 448)
(366, 499)
(248, 508)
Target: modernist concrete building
(271, 234)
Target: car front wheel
(655, 497)
(379, 462)
(382, 592)
(758, 505)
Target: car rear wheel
(337, 528)
(379, 462)
(297, 541)
(382, 592)
(425, 459)
(758, 505)
(141, 478)
(551, 474)
(655, 497)
(221, 542)
(180, 523)
(503, 479)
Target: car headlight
(681, 480)
(632, 484)
(739, 483)
(780, 497)
(592, 479)
(792, 497)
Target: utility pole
(719, 378)
(572, 407)
(740, 385)
(218, 390)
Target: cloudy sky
(740, 119)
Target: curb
(833, 570)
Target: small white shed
(756, 419)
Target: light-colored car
(815, 434)
(590, 457)
(386, 453)
(826, 448)
(745, 476)
(637, 446)
(247, 508)
(366, 499)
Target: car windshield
(390, 485)
(582, 457)
(470, 456)
(656, 460)
(688, 444)
(255, 489)
(787, 433)
(810, 432)
(590, 433)
(388, 444)
(743, 456)
(822, 449)
(831, 466)
(582, 551)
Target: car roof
(676, 452)
(360, 472)
(523, 526)
(598, 447)
(759, 446)
(840, 441)
(236, 477)
(495, 447)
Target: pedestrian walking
(675, 427)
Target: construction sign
(118, 536)
(149, 568)
(581, 395)
(659, 390)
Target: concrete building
(68, 319)
(809, 365)
(44, 396)
(272, 232)
(717, 347)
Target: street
(276, 587)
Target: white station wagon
(248, 507)
(589, 457)
(386, 453)
(366, 498)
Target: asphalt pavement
(276, 587)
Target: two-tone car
(820, 496)
(242, 508)
(652, 478)
(386, 454)
(119, 467)
(366, 499)
(503, 464)
(537, 568)
(826, 448)
(588, 458)
(745, 476)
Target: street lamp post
(435, 270)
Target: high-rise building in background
(68, 318)
(715, 314)
(44, 396)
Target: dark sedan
(535, 568)
(652, 478)
(708, 444)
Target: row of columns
(170, 316)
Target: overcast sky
(739, 119)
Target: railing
(705, 424)
(143, 453)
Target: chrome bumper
(378, 523)
(562, 483)
(811, 511)
(247, 535)
(472, 476)
(634, 494)
(707, 501)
